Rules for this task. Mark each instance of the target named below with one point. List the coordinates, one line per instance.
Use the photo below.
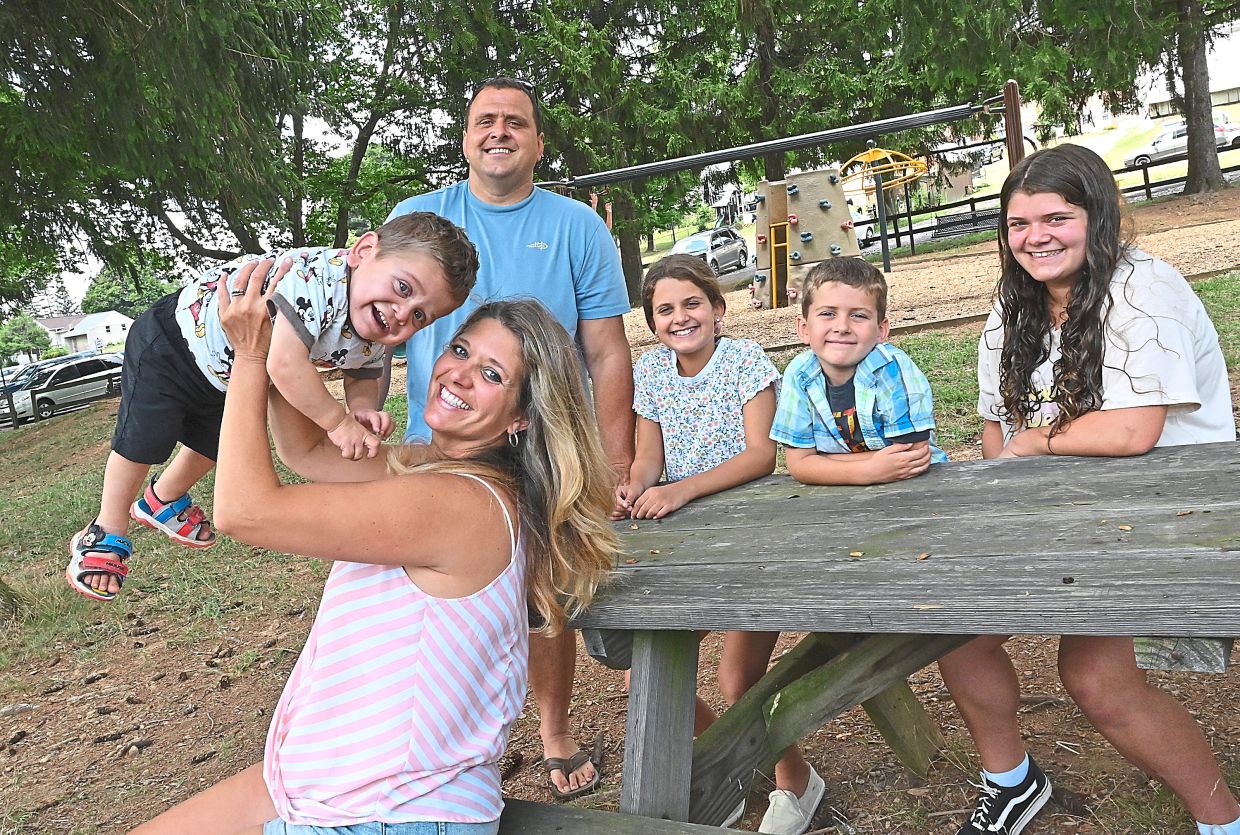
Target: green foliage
(202, 147)
(24, 270)
(55, 300)
(114, 115)
(52, 353)
(703, 217)
(112, 291)
(22, 335)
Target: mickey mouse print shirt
(313, 297)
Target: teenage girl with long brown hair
(1093, 348)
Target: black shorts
(164, 396)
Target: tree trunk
(296, 215)
(1204, 173)
(630, 243)
(650, 241)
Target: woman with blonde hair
(401, 703)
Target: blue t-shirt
(546, 247)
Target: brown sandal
(570, 764)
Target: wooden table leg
(658, 745)
(800, 695)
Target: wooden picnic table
(1053, 545)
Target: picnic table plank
(1034, 546)
(525, 817)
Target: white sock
(1232, 828)
(1016, 776)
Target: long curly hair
(1082, 178)
(558, 471)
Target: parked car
(723, 249)
(62, 385)
(18, 378)
(1174, 142)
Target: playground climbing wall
(801, 221)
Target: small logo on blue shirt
(537, 245)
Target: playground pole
(882, 214)
(1015, 138)
(792, 143)
(908, 207)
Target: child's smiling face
(1048, 237)
(841, 327)
(684, 319)
(392, 297)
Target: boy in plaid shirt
(853, 409)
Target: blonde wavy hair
(558, 473)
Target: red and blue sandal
(95, 551)
(181, 520)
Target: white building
(58, 326)
(98, 330)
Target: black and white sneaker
(1007, 811)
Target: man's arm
(611, 372)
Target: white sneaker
(789, 814)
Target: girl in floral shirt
(704, 406)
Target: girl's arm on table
(755, 461)
(992, 439)
(361, 522)
(1109, 433)
(647, 467)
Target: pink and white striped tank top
(401, 703)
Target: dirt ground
(96, 740)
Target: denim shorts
(279, 827)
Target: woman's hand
(244, 312)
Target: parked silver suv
(722, 248)
(63, 385)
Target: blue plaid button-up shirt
(893, 399)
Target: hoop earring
(514, 440)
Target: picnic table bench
(962, 223)
(888, 578)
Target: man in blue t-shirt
(535, 243)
